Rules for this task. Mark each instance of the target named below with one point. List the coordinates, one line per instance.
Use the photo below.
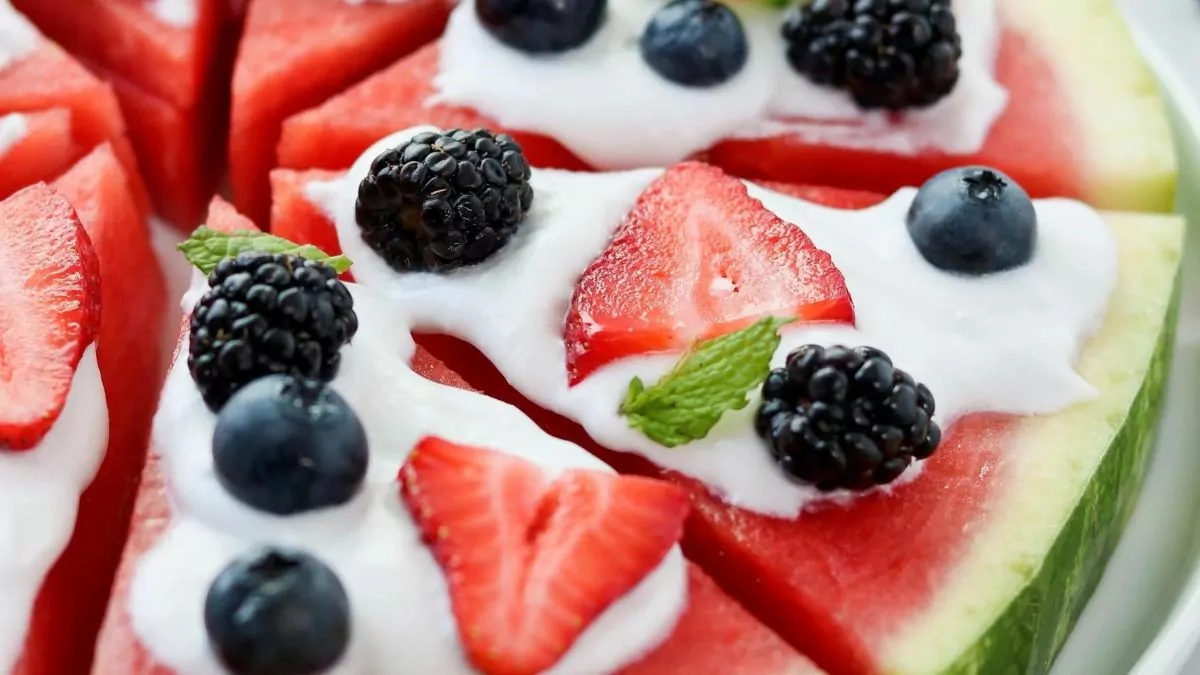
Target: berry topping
(444, 200)
(698, 43)
(541, 26)
(265, 314)
(837, 417)
(697, 257)
(50, 312)
(277, 612)
(531, 558)
(285, 445)
(973, 220)
(890, 54)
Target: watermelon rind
(1074, 480)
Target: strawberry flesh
(697, 257)
(531, 559)
(49, 310)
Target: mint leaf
(712, 377)
(207, 247)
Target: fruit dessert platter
(79, 381)
(865, 94)
(911, 427)
(317, 503)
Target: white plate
(1145, 617)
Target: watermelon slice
(1009, 540)
(969, 585)
(42, 148)
(70, 606)
(1056, 136)
(295, 54)
(714, 635)
(49, 78)
(165, 72)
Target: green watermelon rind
(1025, 639)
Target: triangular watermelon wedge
(168, 55)
(987, 556)
(714, 635)
(166, 69)
(295, 54)
(1070, 128)
(69, 608)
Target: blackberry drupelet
(889, 54)
(264, 314)
(837, 417)
(444, 200)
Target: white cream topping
(606, 105)
(18, 37)
(177, 13)
(400, 605)
(13, 129)
(39, 499)
(1003, 343)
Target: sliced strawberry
(531, 560)
(695, 258)
(49, 310)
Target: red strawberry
(49, 310)
(696, 257)
(532, 560)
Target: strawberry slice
(697, 257)
(532, 559)
(49, 310)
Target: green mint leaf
(712, 377)
(207, 247)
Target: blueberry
(286, 445)
(277, 612)
(973, 220)
(696, 43)
(541, 26)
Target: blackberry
(837, 417)
(889, 54)
(264, 314)
(444, 200)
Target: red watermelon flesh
(45, 151)
(1037, 140)
(295, 54)
(176, 149)
(714, 636)
(334, 134)
(294, 217)
(125, 36)
(166, 79)
(49, 78)
(71, 605)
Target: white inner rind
(1053, 458)
(398, 597)
(1115, 105)
(39, 500)
(1005, 342)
